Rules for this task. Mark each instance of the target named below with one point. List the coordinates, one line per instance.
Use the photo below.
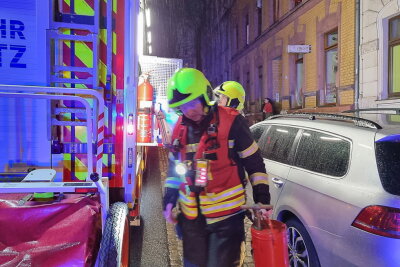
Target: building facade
(379, 54)
(300, 54)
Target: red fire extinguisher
(268, 240)
(145, 108)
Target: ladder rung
(25, 187)
(68, 123)
(75, 26)
(81, 148)
(70, 68)
(70, 110)
(74, 81)
(76, 148)
(83, 38)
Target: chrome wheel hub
(298, 254)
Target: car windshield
(387, 156)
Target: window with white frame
(276, 68)
(298, 95)
(394, 57)
(331, 66)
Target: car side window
(277, 143)
(258, 130)
(323, 153)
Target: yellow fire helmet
(234, 92)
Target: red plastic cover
(65, 233)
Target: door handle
(278, 182)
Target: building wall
(306, 24)
(215, 48)
(174, 27)
(374, 52)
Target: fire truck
(79, 109)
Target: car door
(277, 148)
(314, 188)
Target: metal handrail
(65, 97)
(312, 116)
(99, 134)
(89, 127)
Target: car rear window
(323, 153)
(277, 143)
(387, 152)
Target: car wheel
(114, 247)
(301, 249)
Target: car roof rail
(327, 116)
(394, 111)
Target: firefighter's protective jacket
(224, 139)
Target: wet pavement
(149, 241)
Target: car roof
(388, 121)
(385, 124)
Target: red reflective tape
(100, 143)
(101, 116)
(86, 190)
(100, 130)
(90, 3)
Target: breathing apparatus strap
(212, 131)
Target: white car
(335, 182)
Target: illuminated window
(394, 56)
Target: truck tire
(114, 246)
(300, 246)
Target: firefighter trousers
(215, 245)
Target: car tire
(114, 246)
(300, 246)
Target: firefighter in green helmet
(212, 147)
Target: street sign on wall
(299, 49)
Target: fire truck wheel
(301, 248)
(114, 246)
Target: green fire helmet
(234, 92)
(186, 85)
